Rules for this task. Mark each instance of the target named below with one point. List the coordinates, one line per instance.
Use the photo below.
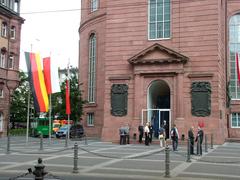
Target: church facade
(160, 60)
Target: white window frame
(2, 60)
(92, 69)
(90, 119)
(13, 32)
(94, 5)
(1, 93)
(234, 46)
(156, 22)
(1, 121)
(238, 121)
(11, 62)
(4, 29)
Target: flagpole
(28, 107)
(69, 95)
(49, 117)
(50, 113)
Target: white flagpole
(69, 95)
(50, 109)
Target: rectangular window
(90, 119)
(94, 5)
(2, 60)
(235, 120)
(159, 19)
(4, 29)
(13, 32)
(1, 93)
(10, 62)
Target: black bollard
(8, 144)
(167, 162)
(198, 146)
(211, 141)
(188, 151)
(75, 159)
(206, 145)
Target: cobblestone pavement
(104, 161)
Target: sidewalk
(104, 160)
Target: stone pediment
(156, 54)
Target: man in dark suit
(191, 139)
(199, 140)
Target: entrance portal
(158, 112)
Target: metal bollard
(39, 171)
(167, 162)
(41, 142)
(211, 141)
(8, 144)
(66, 141)
(188, 151)
(206, 145)
(85, 138)
(198, 146)
(75, 159)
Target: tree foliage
(19, 103)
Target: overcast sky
(54, 34)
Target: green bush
(18, 132)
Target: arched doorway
(158, 106)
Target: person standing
(150, 132)
(126, 132)
(161, 137)
(174, 137)
(191, 139)
(146, 132)
(140, 131)
(122, 135)
(199, 140)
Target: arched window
(159, 19)
(92, 69)
(1, 121)
(234, 46)
(94, 5)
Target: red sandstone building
(10, 22)
(156, 60)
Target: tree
(19, 104)
(76, 101)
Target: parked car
(62, 132)
(76, 131)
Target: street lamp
(11, 86)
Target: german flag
(37, 83)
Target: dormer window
(3, 2)
(13, 32)
(94, 5)
(4, 29)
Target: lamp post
(11, 86)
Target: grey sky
(54, 34)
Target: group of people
(198, 139)
(146, 132)
(124, 134)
